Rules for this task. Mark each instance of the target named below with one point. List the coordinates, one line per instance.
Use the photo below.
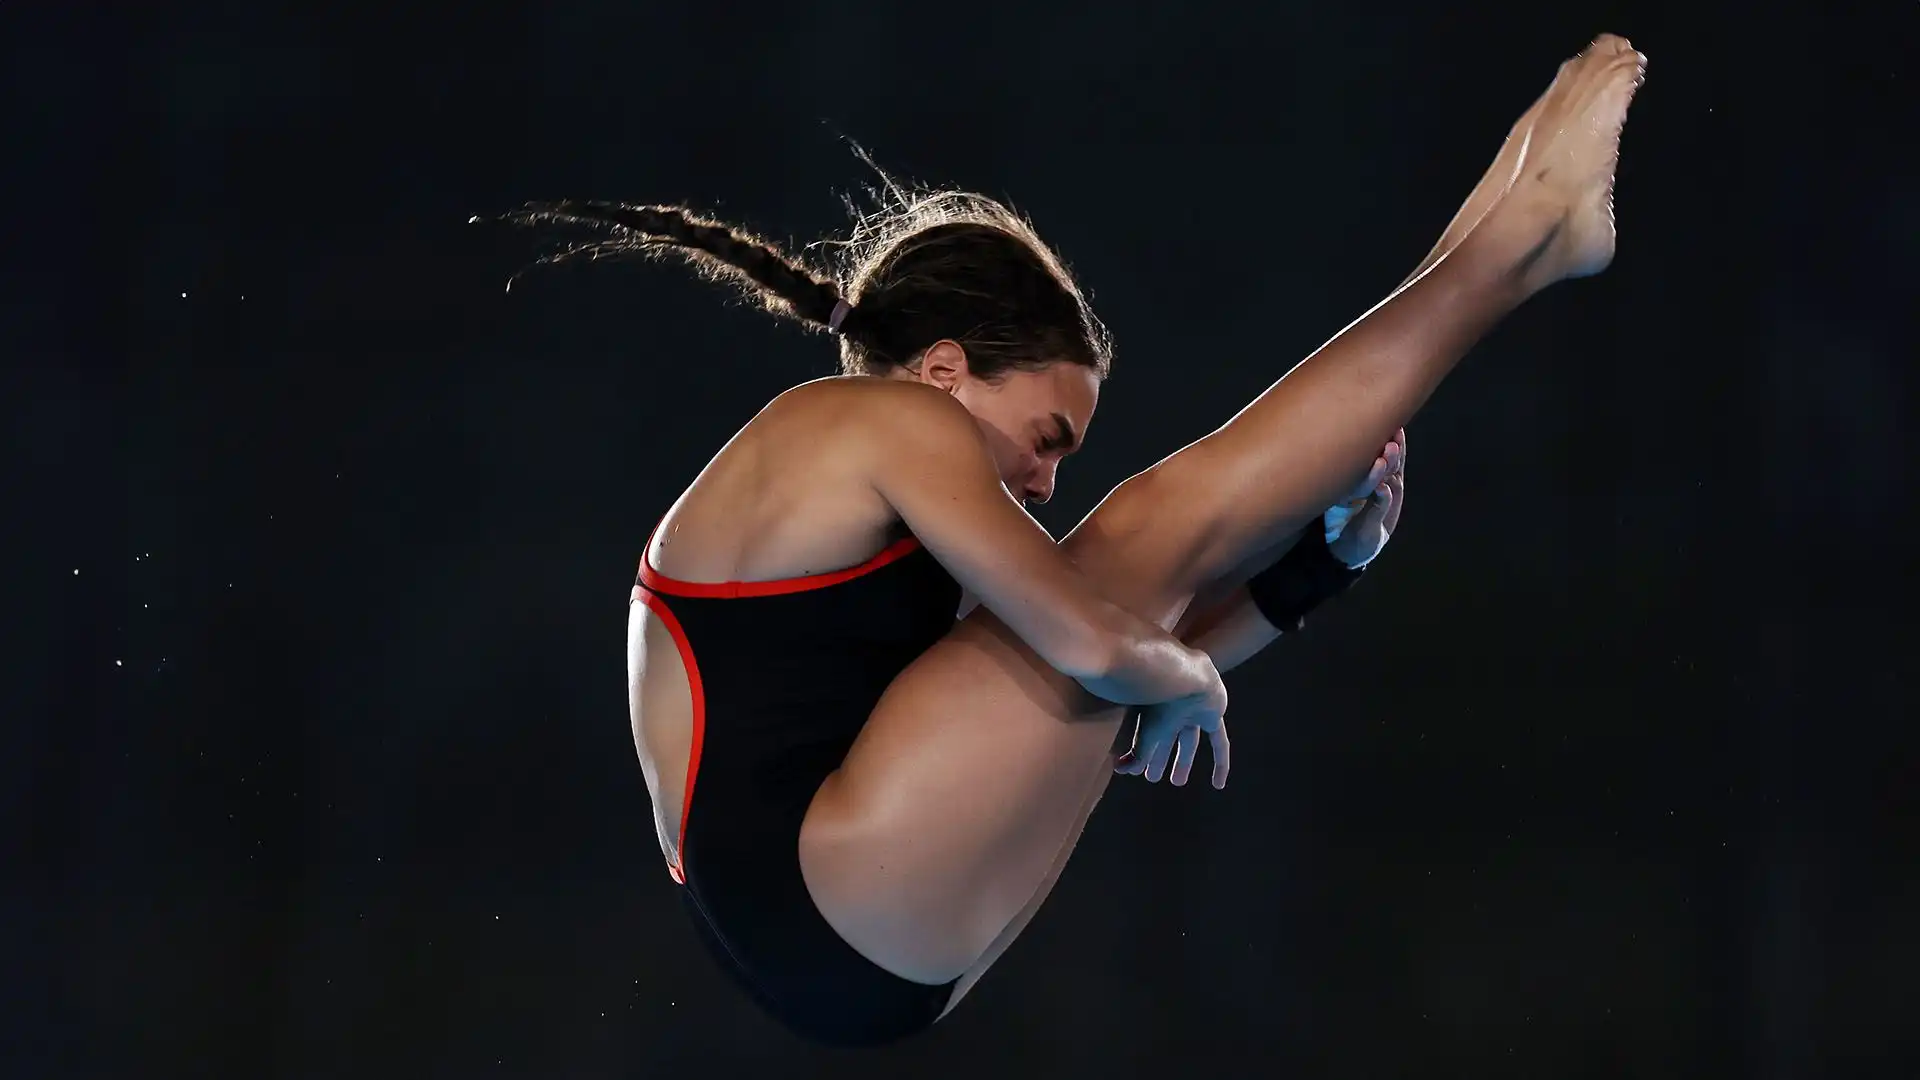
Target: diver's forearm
(1231, 630)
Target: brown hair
(928, 266)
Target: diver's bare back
(791, 494)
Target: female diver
(865, 800)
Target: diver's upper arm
(933, 467)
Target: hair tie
(841, 309)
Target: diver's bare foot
(1497, 180)
(1563, 194)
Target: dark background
(323, 539)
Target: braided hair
(927, 267)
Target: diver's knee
(1138, 545)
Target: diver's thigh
(951, 808)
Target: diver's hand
(1358, 530)
(1169, 734)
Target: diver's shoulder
(871, 417)
(857, 399)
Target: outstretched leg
(1298, 446)
(1497, 179)
(950, 813)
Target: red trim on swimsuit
(653, 582)
(730, 590)
(697, 690)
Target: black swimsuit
(783, 675)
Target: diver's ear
(944, 365)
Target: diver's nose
(1040, 488)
